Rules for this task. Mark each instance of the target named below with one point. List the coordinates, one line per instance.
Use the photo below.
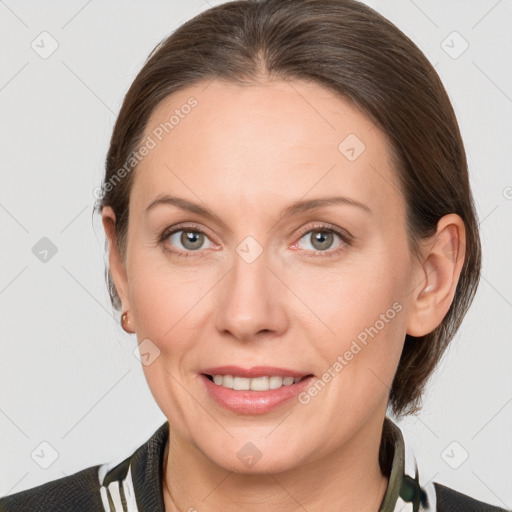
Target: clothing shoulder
(111, 486)
(450, 500)
(78, 492)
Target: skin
(246, 153)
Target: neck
(350, 477)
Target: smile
(264, 383)
(253, 391)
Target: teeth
(254, 384)
(241, 384)
(227, 381)
(259, 383)
(276, 382)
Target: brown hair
(351, 49)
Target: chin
(255, 458)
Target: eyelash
(345, 238)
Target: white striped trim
(114, 489)
(107, 466)
(129, 491)
(104, 498)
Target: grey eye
(320, 239)
(189, 239)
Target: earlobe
(117, 267)
(444, 256)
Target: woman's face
(321, 290)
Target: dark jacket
(135, 484)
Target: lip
(254, 371)
(253, 402)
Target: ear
(117, 267)
(443, 257)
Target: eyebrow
(314, 204)
(294, 209)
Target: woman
(293, 240)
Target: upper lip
(254, 371)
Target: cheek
(165, 298)
(362, 314)
(166, 302)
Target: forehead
(274, 141)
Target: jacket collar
(138, 479)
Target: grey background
(68, 375)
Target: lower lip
(254, 402)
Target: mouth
(256, 390)
(263, 383)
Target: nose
(251, 301)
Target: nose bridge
(248, 301)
